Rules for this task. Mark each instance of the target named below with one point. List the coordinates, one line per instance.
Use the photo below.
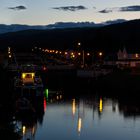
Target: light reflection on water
(88, 118)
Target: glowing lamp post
(100, 55)
(83, 55)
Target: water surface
(85, 118)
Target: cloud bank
(70, 8)
(134, 8)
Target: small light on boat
(23, 75)
(33, 75)
(45, 104)
(47, 93)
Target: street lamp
(100, 56)
(83, 55)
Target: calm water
(85, 117)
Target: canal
(74, 109)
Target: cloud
(107, 10)
(21, 7)
(134, 8)
(130, 8)
(70, 8)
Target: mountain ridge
(108, 38)
(58, 25)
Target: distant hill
(108, 38)
(59, 25)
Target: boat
(24, 107)
(28, 84)
(28, 80)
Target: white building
(128, 59)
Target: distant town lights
(79, 43)
(9, 49)
(79, 53)
(137, 55)
(100, 53)
(72, 53)
(10, 55)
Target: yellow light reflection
(79, 124)
(60, 96)
(101, 105)
(33, 131)
(73, 106)
(23, 130)
(57, 97)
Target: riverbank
(119, 82)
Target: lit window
(137, 55)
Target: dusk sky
(43, 12)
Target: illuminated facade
(128, 59)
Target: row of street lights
(83, 54)
(70, 54)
